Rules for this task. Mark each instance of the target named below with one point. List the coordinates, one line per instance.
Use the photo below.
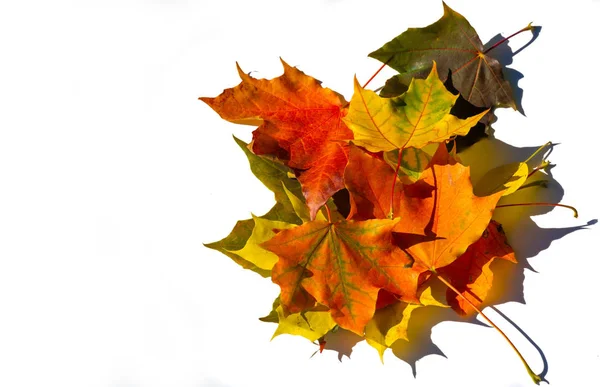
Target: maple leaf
(368, 180)
(416, 118)
(453, 214)
(302, 211)
(443, 217)
(471, 273)
(341, 265)
(454, 45)
(300, 123)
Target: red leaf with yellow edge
(342, 266)
(300, 122)
(453, 215)
(471, 273)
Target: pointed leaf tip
(285, 64)
(241, 72)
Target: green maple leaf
(275, 176)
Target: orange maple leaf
(342, 266)
(471, 273)
(453, 216)
(300, 122)
(368, 179)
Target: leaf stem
(538, 168)
(575, 213)
(328, 213)
(376, 72)
(528, 28)
(391, 213)
(540, 183)
(536, 378)
(538, 151)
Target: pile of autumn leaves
(415, 217)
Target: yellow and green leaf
(418, 117)
(263, 231)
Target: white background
(113, 174)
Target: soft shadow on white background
(113, 174)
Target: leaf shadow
(523, 234)
(504, 54)
(342, 342)
(419, 344)
(544, 372)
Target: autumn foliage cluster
(373, 204)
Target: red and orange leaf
(471, 273)
(453, 217)
(342, 266)
(300, 122)
(369, 183)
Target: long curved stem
(536, 378)
(538, 151)
(528, 28)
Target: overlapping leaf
(311, 324)
(300, 123)
(405, 231)
(342, 266)
(413, 161)
(275, 176)
(454, 45)
(235, 241)
(419, 117)
(453, 214)
(508, 177)
(264, 229)
(471, 273)
(369, 182)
